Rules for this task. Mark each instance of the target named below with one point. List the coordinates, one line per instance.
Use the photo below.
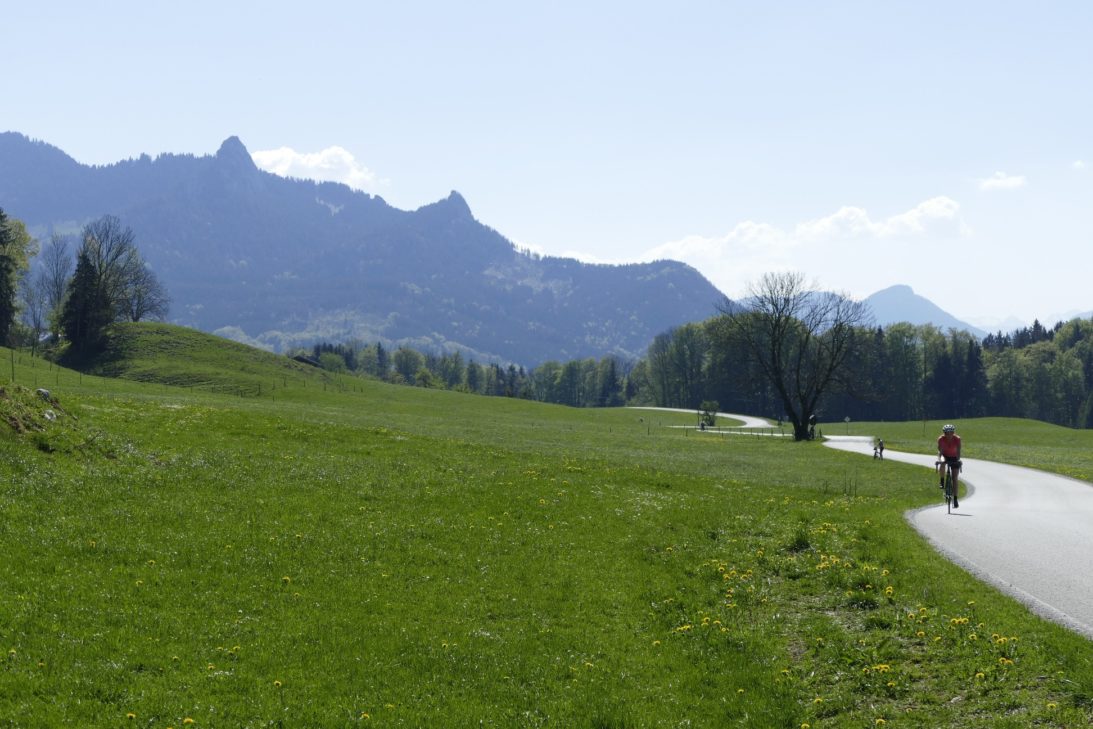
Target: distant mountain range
(901, 304)
(281, 262)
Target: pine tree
(88, 309)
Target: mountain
(901, 304)
(279, 262)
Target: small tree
(87, 310)
(16, 248)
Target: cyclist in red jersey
(948, 448)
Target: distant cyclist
(948, 448)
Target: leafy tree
(800, 339)
(16, 248)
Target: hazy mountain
(901, 304)
(265, 259)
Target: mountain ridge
(280, 262)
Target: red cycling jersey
(949, 445)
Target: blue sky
(948, 146)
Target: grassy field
(257, 544)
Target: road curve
(1027, 532)
(750, 421)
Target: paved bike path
(1028, 532)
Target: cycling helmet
(950, 428)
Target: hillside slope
(280, 262)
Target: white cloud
(1002, 181)
(823, 246)
(1078, 164)
(851, 222)
(333, 164)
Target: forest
(899, 372)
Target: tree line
(68, 290)
(790, 354)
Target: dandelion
(187, 720)
(130, 716)
(881, 722)
(656, 642)
(276, 684)
(818, 700)
(365, 715)
(286, 580)
(806, 725)
(1052, 705)
(979, 676)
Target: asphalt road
(1028, 532)
(750, 421)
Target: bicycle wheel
(949, 490)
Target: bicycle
(950, 496)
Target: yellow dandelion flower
(365, 715)
(130, 716)
(187, 720)
(881, 722)
(656, 642)
(1052, 705)
(973, 636)
(286, 579)
(806, 725)
(211, 667)
(979, 676)
(276, 684)
(818, 700)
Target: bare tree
(145, 297)
(53, 276)
(34, 310)
(800, 339)
(112, 253)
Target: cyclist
(948, 448)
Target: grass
(336, 552)
(1007, 440)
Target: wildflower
(818, 700)
(656, 642)
(1052, 705)
(979, 676)
(806, 725)
(276, 684)
(881, 722)
(187, 720)
(130, 716)
(286, 579)
(365, 715)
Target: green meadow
(200, 534)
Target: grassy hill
(180, 544)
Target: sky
(947, 146)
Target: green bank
(199, 534)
